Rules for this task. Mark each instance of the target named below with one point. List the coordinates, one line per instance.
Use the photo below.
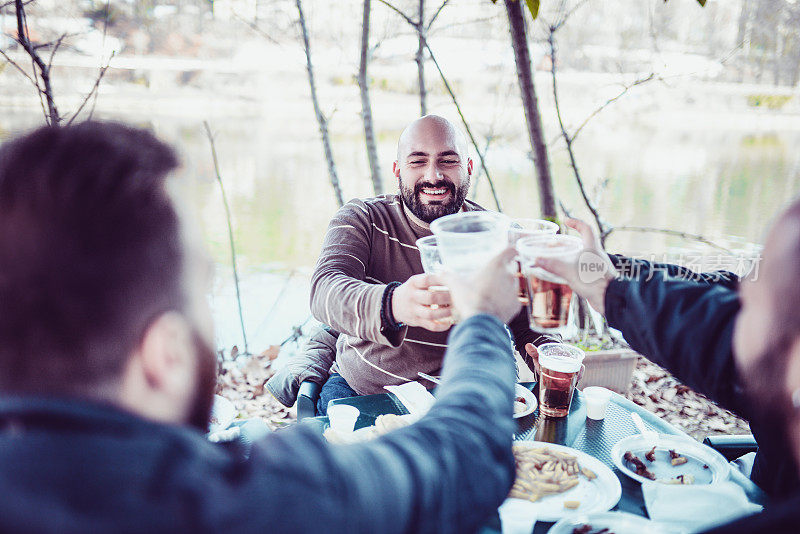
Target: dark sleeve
(446, 473)
(522, 335)
(634, 268)
(686, 327)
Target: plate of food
(610, 522)
(383, 425)
(524, 401)
(669, 459)
(562, 481)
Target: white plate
(530, 400)
(598, 495)
(223, 412)
(616, 522)
(697, 454)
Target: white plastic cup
(597, 399)
(467, 241)
(342, 418)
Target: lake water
(692, 172)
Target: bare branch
(607, 103)
(16, 66)
(466, 126)
(568, 140)
(436, 14)
(43, 70)
(56, 44)
(321, 120)
(685, 235)
(230, 230)
(399, 12)
(93, 90)
(253, 26)
(569, 13)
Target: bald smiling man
(369, 283)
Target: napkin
(517, 516)
(698, 507)
(413, 396)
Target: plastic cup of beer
(597, 399)
(528, 228)
(549, 296)
(342, 418)
(469, 240)
(560, 369)
(432, 263)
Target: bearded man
(368, 283)
(107, 374)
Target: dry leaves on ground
(661, 393)
(241, 380)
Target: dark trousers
(335, 388)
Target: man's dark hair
(90, 253)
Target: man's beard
(430, 212)
(206, 382)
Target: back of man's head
(90, 252)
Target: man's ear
(469, 167)
(165, 350)
(396, 168)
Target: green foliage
(533, 7)
(768, 101)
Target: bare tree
(321, 119)
(530, 103)
(420, 60)
(366, 105)
(40, 75)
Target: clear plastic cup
(342, 418)
(561, 366)
(429, 254)
(597, 399)
(549, 297)
(530, 228)
(469, 240)
(432, 263)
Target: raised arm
(446, 473)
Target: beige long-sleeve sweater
(370, 243)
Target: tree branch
(436, 14)
(52, 117)
(610, 101)
(466, 127)
(93, 90)
(569, 13)
(412, 22)
(567, 139)
(676, 233)
(230, 230)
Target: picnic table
(593, 437)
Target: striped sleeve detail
(392, 238)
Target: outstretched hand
(420, 302)
(492, 290)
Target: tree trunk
(530, 103)
(321, 120)
(366, 106)
(420, 59)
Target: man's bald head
(427, 127)
(433, 168)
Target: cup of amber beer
(560, 369)
(549, 296)
(528, 228)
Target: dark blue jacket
(73, 466)
(685, 324)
